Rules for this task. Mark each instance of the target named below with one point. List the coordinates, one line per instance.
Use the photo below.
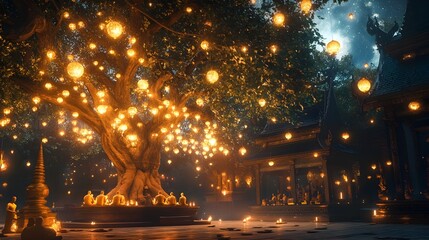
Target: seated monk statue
(88, 199)
(171, 200)
(118, 200)
(182, 200)
(159, 199)
(101, 199)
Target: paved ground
(253, 231)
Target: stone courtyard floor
(252, 230)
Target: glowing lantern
(114, 29)
(6, 111)
(132, 137)
(65, 93)
(262, 102)
(200, 102)
(279, 19)
(242, 151)
(28, 163)
(188, 9)
(271, 163)
(244, 49)
(333, 47)
(75, 69)
(66, 14)
(351, 16)
(306, 6)
(123, 127)
(50, 54)
(364, 85)
(169, 161)
(414, 106)
(143, 84)
(102, 109)
(60, 100)
(132, 111)
(75, 114)
(198, 168)
(72, 26)
(212, 76)
(48, 86)
(373, 166)
(315, 154)
(44, 140)
(273, 48)
(288, 136)
(131, 52)
(204, 45)
(36, 100)
(92, 46)
(345, 135)
(389, 163)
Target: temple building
(401, 90)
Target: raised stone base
(402, 212)
(122, 216)
(306, 213)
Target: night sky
(334, 23)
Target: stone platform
(415, 212)
(126, 216)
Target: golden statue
(171, 200)
(88, 199)
(118, 200)
(159, 199)
(10, 216)
(101, 199)
(182, 200)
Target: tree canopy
(188, 77)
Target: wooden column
(258, 184)
(293, 181)
(325, 180)
(397, 175)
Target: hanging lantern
(132, 111)
(102, 109)
(212, 76)
(345, 135)
(288, 136)
(204, 45)
(414, 106)
(114, 29)
(75, 69)
(131, 52)
(279, 19)
(143, 84)
(333, 47)
(306, 6)
(271, 163)
(364, 85)
(36, 100)
(200, 102)
(262, 102)
(242, 151)
(50, 54)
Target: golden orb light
(199, 102)
(279, 19)
(131, 52)
(345, 135)
(306, 6)
(143, 84)
(75, 69)
(50, 54)
(132, 111)
(414, 106)
(212, 76)
(271, 163)
(242, 151)
(262, 102)
(36, 100)
(389, 163)
(204, 45)
(364, 85)
(288, 135)
(114, 29)
(333, 47)
(102, 109)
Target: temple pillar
(396, 167)
(258, 184)
(325, 180)
(414, 164)
(293, 181)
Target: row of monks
(119, 200)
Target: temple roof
(404, 63)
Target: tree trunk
(136, 168)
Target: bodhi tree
(186, 77)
